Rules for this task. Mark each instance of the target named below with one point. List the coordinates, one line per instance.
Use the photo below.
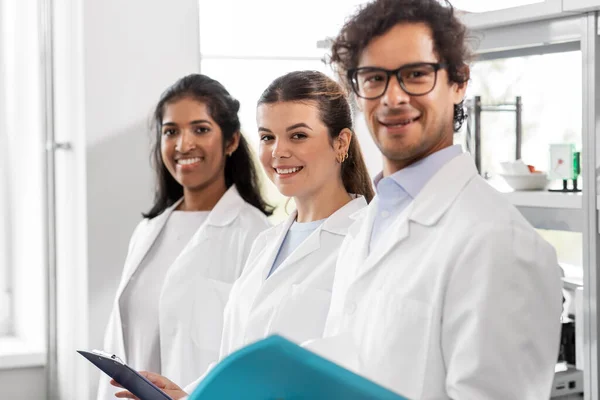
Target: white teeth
(284, 171)
(403, 122)
(188, 161)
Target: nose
(394, 95)
(280, 149)
(185, 142)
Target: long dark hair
(240, 169)
(335, 113)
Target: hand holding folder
(275, 368)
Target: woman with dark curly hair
(444, 289)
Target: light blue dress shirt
(397, 191)
(297, 234)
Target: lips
(398, 122)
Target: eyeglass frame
(352, 73)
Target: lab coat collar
(361, 229)
(337, 222)
(279, 230)
(227, 208)
(443, 188)
(225, 211)
(274, 239)
(427, 208)
(360, 216)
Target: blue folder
(277, 369)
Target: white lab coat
(294, 300)
(195, 289)
(461, 299)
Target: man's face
(407, 128)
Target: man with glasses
(443, 288)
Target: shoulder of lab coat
(142, 229)
(231, 207)
(147, 224)
(502, 303)
(502, 306)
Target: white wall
(22, 172)
(113, 59)
(23, 384)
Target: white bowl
(533, 181)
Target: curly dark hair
(378, 17)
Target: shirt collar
(412, 179)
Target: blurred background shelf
(546, 210)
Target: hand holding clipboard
(124, 375)
(272, 368)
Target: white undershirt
(139, 301)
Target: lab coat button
(350, 308)
(385, 214)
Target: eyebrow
(412, 64)
(300, 125)
(289, 128)
(194, 122)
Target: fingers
(115, 383)
(126, 395)
(176, 394)
(159, 380)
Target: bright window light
(479, 6)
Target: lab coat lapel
(397, 233)
(274, 240)
(335, 224)
(426, 209)
(441, 191)
(224, 213)
(359, 236)
(309, 245)
(155, 226)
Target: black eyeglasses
(416, 79)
